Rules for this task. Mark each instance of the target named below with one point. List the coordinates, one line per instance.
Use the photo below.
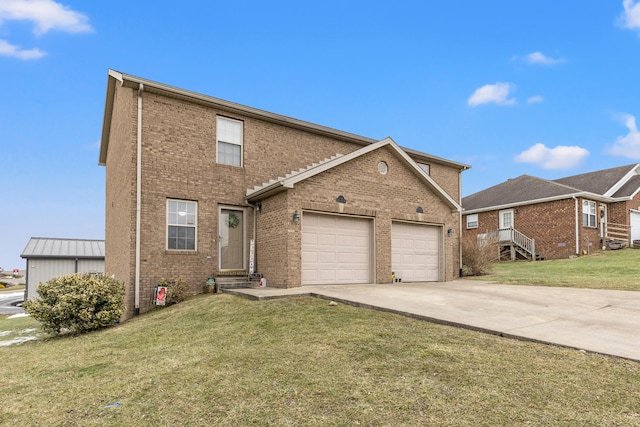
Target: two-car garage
(339, 249)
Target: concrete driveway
(600, 321)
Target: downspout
(460, 225)
(138, 201)
(577, 225)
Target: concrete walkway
(600, 321)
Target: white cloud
(542, 59)
(45, 14)
(497, 93)
(630, 18)
(560, 157)
(628, 145)
(7, 49)
(534, 99)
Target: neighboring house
(559, 218)
(48, 258)
(199, 187)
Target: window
(472, 221)
(424, 167)
(589, 213)
(229, 140)
(181, 225)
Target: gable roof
(42, 247)
(598, 182)
(608, 185)
(524, 188)
(283, 183)
(116, 78)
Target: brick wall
(179, 162)
(552, 225)
(394, 196)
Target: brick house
(559, 218)
(199, 187)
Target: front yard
(223, 360)
(618, 270)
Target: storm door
(231, 232)
(506, 225)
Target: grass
(619, 270)
(226, 361)
(12, 288)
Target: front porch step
(505, 253)
(235, 282)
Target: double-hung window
(589, 213)
(182, 223)
(229, 141)
(472, 221)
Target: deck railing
(512, 236)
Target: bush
(176, 290)
(77, 303)
(478, 255)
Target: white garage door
(635, 225)
(335, 249)
(415, 252)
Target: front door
(506, 224)
(231, 239)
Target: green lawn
(226, 361)
(604, 270)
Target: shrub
(77, 303)
(177, 290)
(478, 255)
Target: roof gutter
(585, 194)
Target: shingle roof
(41, 247)
(630, 188)
(515, 190)
(598, 182)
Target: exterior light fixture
(341, 199)
(419, 209)
(296, 217)
(450, 232)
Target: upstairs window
(182, 222)
(472, 221)
(424, 167)
(589, 213)
(229, 141)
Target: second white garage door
(335, 249)
(415, 252)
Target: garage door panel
(415, 252)
(340, 252)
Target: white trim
(467, 221)
(618, 185)
(167, 225)
(241, 144)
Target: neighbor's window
(424, 167)
(181, 225)
(472, 221)
(589, 213)
(229, 140)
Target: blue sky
(538, 87)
